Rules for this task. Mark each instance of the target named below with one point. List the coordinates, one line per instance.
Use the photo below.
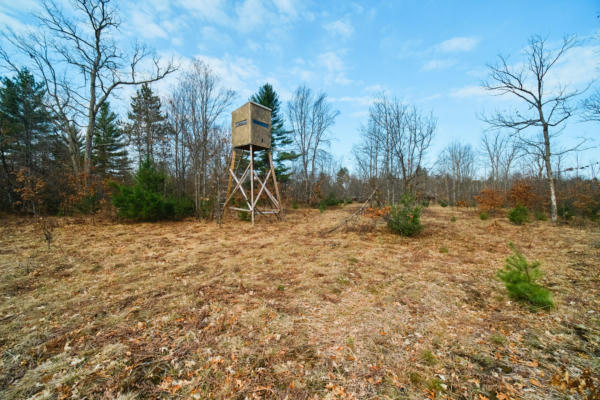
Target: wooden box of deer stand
(251, 125)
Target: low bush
(483, 215)
(566, 210)
(144, 201)
(489, 200)
(453, 219)
(322, 207)
(518, 215)
(405, 218)
(329, 201)
(520, 278)
(443, 203)
(540, 215)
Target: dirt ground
(191, 310)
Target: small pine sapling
(520, 278)
(518, 215)
(405, 218)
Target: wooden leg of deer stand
(251, 184)
(279, 205)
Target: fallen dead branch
(354, 215)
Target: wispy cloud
(469, 91)
(458, 44)
(145, 25)
(335, 67)
(438, 64)
(288, 7)
(358, 100)
(339, 28)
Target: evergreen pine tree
(109, 153)
(26, 123)
(27, 142)
(147, 128)
(280, 138)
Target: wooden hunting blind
(251, 125)
(251, 133)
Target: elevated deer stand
(256, 191)
(251, 131)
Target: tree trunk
(549, 175)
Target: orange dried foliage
(30, 189)
(374, 212)
(489, 200)
(462, 203)
(585, 196)
(78, 187)
(522, 192)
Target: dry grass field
(191, 310)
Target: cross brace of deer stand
(254, 196)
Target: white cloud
(377, 88)
(287, 7)
(339, 28)
(251, 14)
(469, 91)
(13, 23)
(144, 24)
(438, 64)
(359, 100)
(209, 10)
(214, 35)
(578, 67)
(458, 44)
(335, 67)
(236, 73)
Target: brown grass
(188, 310)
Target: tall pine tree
(147, 127)
(27, 141)
(26, 123)
(109, 152)
(280, 138)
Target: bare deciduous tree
(200, 102)
(81, 62)
(310, 118)
(546, 108)
(501, 151)
(456, 164)
(591, 107)
(407, 135)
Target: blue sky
(429, 53)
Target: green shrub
(444, 250)
(453, 219)
(405, 218)
(520, 277)
(182, 207)
(483, 215)
(540, 215)
(566, 210)
(244, 216)
(329, 201)
(88, 204)
(443, 203)
(144, 201)
(518, 215)
(322, 207)
(295, 205)
(428, 358)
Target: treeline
(168, 158)
(64, 148)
